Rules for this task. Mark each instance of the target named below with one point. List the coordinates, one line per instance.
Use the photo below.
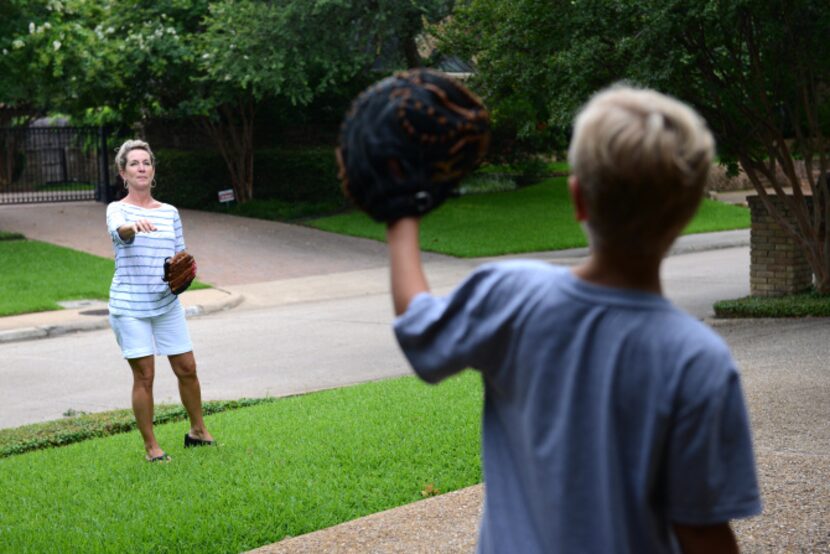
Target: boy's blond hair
(641, 159)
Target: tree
(292, 51)
(251, 50)
(40, 45)
(13, 103)
(218, 61)
(403, 22)
(122, 62)
(514, 47)
(758, 70)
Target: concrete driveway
(231, 250)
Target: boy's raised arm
(407, 273)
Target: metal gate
(53, 164)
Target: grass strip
(281, 469)
(81, 427)
(42, 274)
(808, 304)
(35, 276)
(715, 216)
(531, 219)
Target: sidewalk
(442, 524)
(92, 315)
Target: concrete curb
(232, 300)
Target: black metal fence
(53, 164)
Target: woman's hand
(143, 226)
(128, 231)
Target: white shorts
(162, 335)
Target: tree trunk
(410, 52)
(233, 133)
(9, 138)
(765, 120)
(7, 150)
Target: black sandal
(163, 457)
(192, 441)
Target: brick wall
(777, 263)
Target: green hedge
(190, 179)
(77, 427)
(807, 304)
(307, 174)
(6, 235)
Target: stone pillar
(778, 265)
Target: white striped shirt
(137, 287)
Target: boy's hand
(407, 273)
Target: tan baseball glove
(179, 271)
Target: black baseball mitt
(407, 142)
(179, 271)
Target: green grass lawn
(34, 276)
(530, 219)
(283, 468)
(717, 216)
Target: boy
(613, 422)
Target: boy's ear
(580, 210)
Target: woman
(147, 317)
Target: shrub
(6, 235)
(80, 426)
(808, 304)
(294, 174)
(275, 209)
(484, 183)
(524, 172)
(190, 178)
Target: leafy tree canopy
(123, 61)
(42, 45)
(758, 71)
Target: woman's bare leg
(143, 375)
(184, 366)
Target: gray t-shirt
(609, 414)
